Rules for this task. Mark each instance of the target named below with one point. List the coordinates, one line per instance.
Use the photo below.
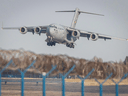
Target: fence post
(44, 88)
(101, 90)
(2, 71)
(116, 84)
(22, 84)
(82, 81)
(101, 84)
(0, 84)
(22, 77)
(44, 80)
(63, 86)
(117, 93)
(82, 88)
(63, 80)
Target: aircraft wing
(33, 29)
(99, 36)
(94, 36)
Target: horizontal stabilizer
(81, 12)
(67, 11)
(91, 13)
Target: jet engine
(76, 34)
(23, 30)
(94, 37)
(37, 30)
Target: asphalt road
(55, 85)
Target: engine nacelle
(23, 30)
(76, 34)
(94, 36)
(37, 30)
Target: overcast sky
(18, 13)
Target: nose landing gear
(70, 45)
(51, 43)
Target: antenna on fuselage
(76, 14)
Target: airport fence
(63, 76)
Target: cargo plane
(57, 33)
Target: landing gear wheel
(54, 43)
(51, 43)
(70, 45)
(67, 44)
(48, 43)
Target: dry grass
(44, 63)
(92, 82)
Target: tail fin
(76, 14)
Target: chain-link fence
(53, 69)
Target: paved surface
(48, 80)
(54, 86)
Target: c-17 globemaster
(57, 33)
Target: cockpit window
(53, 26)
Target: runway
(54, 86)
(48, 80)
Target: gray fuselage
(58, 33)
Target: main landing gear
(51, 43)
(70, 45)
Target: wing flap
(102, 37)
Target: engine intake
(23, 30)
(37, 30)
(94, 37)
(76, 33)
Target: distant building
(126, 61)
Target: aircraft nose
(51, 31)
